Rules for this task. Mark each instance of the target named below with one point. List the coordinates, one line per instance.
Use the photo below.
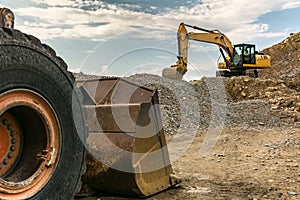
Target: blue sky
(124, 37)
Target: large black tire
(27, 65)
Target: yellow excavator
(240, 59)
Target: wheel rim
(29, 143)
(10, 143)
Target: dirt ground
(256, 163)
(244, 164)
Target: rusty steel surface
(127, 147)
(172, 73)
(10, 143)
(112, 118)
(114, 91)
(36, 127)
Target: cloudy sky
(124, 37)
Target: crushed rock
(188, 107)
(285, 62)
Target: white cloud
(164, 57)
(198, 47)
(292, 4)
(65, 18)
(233, 16)
(99, 21)
(74, 3)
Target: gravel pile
(178, 103)
(251, 114)
(283, 100)
(81, 76)
(189, 107)
(244, 112)
(270, 101)
(285, 61)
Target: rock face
(283, 100)
(285, 61)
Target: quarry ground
(257, 153)
(244, 164)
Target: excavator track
(243, 72)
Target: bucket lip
(115, 79)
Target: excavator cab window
(249, 54)
(238, 55)
(244, 54)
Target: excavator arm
(217, 38)
(210, 36)
(237, 58)
(180, 68)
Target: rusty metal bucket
(127, 145)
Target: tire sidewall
(35, 71)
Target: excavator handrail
(201, 29)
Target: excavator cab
(243, 54)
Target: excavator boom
(183, 36)
(234, 59)
(214, 37)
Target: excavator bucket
(127, 147)
(172, 73)
(176, 71)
